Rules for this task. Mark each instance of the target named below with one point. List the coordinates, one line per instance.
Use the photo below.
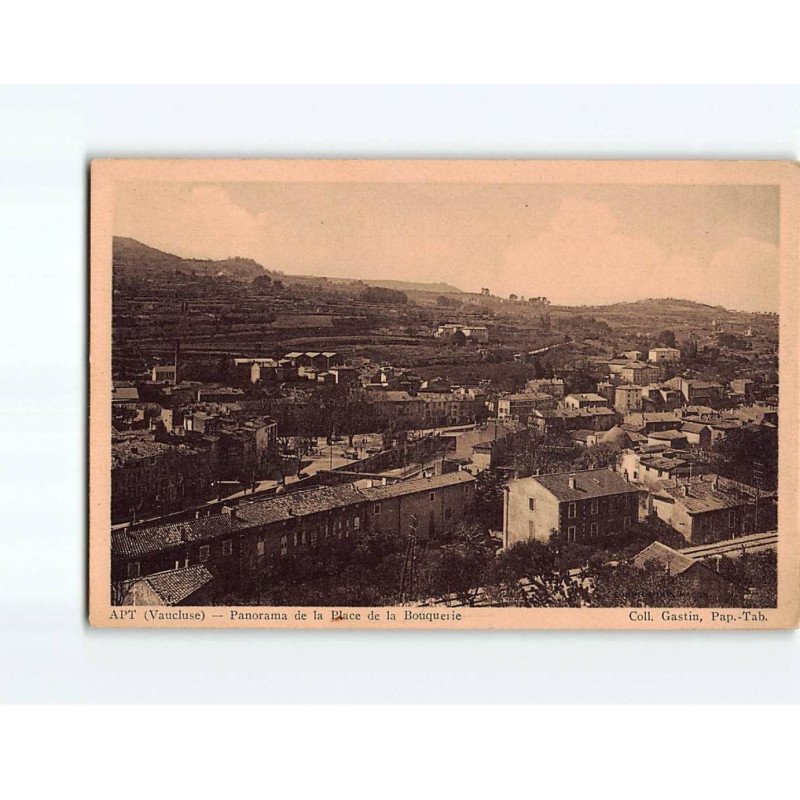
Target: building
(640, 373)
(699, 392)
(551, 386)
(674, 439)
(664, 355)
(248, 450)
(652, 466)
(697, 434)
(571, 419)
(579, 506)
(632, 355)
(649, 421)
(627, 398)
(183, 586)
(149, 477)
(164, 373)
(585, 400)
(405, 409)
(708, 508)
(477, 333)
(235, 545)
(707, 585)
(344, 376)
(521, 406)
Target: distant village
(436, 449)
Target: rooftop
(672, 561)
(595, 398)
(174, 586)
(706, 493)
(154, 538)
(588, 484)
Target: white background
(47, 137)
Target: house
(652, 466)
(182, 586)
(708, 508)
(401, 407)
(149, 477)
(699, 392)
(579, 506)
(706, 584)
(743, 387)
(585, 400)
(664, 355)
(235, 545)
(627, 398)
(638, 372)
(248, 450)
(324, 361)
(632, 355)
(570, 419)
(521, 406)
(124, 394)
(164, 373)
(551, 386)
(697, 434)
(650, 421)
(674, 439)
(477, 333)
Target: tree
(377, 294)
(447, 302)
(666, 339)
(488, 505)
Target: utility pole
(407, 576)
(758, 476)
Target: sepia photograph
(453, 394)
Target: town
(289, 440)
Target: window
(595, 506)
(377, 509)
(731, 519)
(260, 548)
(531, 504)
(204, 552)
(302, 537)
(433, 496)
(448, 514)
(531, 528)
(571, 511)
(627, 523)
(134, 569)
(227, 547)
(571, 533)
(593, 529)
(357, 523)
(294, 539)
(612, 503)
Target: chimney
(177, 359)
(571, 481)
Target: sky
(576, 245)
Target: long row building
(237, 544)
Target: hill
(130, 255)
(134, 256)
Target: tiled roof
(704, 495)
(588, 396)
(297, 504)
(588, 483)
(693, 427)
(671, 434)
(174, 586)
(672, 561)
(527, 397)
(129, 447)
(154, 538)
(422, 485)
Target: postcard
(444, 394)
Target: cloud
(747, 269)
(582, 257)
(203, 223)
